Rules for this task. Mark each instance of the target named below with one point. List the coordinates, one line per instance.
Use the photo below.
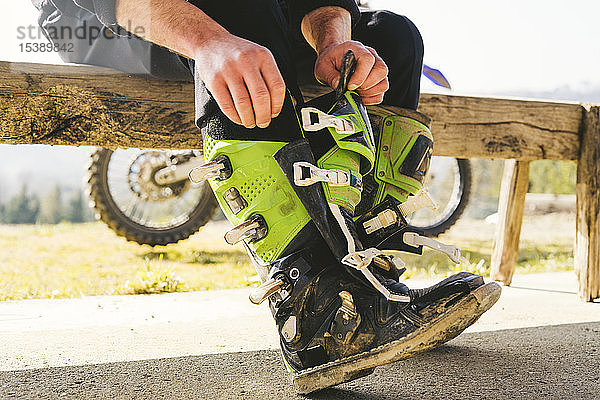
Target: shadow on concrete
(559, 362)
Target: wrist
(206, 40)
(326, 27)
(326, 44)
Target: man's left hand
(370, 78)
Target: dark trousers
(394, 37)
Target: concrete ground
(539, 341)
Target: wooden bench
(77, 105)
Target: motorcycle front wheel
(125, 196)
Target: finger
(243, 102)
(364, 64)
(378, 73)
(261, 99)
(372, 99)
(378, 89)
(276, 86)
(223, 98)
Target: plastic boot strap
(416, 240)
(265, 290)
(360, 260)
(422, 199)
(314, 119)
(306, 174)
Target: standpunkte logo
(80, 32)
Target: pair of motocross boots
(320, 205)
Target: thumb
(326, 72)
(330, 77)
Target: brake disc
(142, 171)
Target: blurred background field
(51, 246)
(73, 260)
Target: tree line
(52, 208)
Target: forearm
(176, 25)
(326, 26)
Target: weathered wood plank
(587, 239)
(79, 105)
(76, 105)
(480, 127)
(515, 181)
(504, 129)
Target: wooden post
(510, 216)
(587, 239)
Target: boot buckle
(422, 199)
(382, 220)
(314, 119)
(348, 308)
(346, 319)
(253, 229)
(265, 290)
(219, 168)
(306, 174)
(416, 240)
(361, 260)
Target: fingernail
(250, 126)
(275, 115)
(352, 86)
(262, 126)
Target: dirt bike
(146, 196)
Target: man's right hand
(243, 78)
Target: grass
(69, 260)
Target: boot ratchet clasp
(306, 174)
(314, 119)
(206, 171)
(360, 260)
(252, 229)
(422, 199)
(265, 290)
(416, 240)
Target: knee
(390, 29)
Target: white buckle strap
(253, 229)
(360, 260)
(265, 290)
(389, 217)
(416, 240)
(314, 119)
(306, 174)
(382, 220)
(422, 199)
(206, 171)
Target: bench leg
(515, 182)
(587, 239)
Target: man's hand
(243, 78)
(370, 78)
(328, 31)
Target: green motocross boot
(292, 191)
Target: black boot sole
(446, 327)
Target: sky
(483, 47)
